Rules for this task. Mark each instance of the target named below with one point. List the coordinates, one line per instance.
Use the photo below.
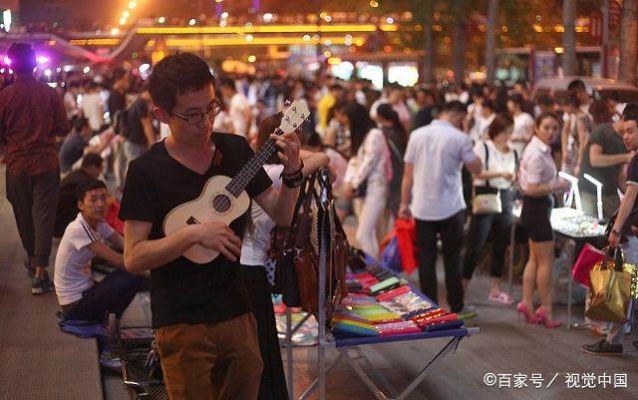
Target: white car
(596, 87)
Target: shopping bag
(586, 261)
(390, 258)
(406, 239)
(610, 292)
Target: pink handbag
(587, 258)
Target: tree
(490, 40)
(628, 41)
(569, 37)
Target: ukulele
(224, 199)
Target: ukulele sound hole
(221, 203)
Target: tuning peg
(294, 109)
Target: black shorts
(535, 218)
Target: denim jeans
(480, 227)
(451, 231)
(112, 295)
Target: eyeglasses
(195, 118)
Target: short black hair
(79, 122)
(454, 107)
(86, 186)
(630, 113)
(22, 57)
(119, 73)
(517, 99)
(545, 100)
(487, 103)
(92, 160)
(576, 85)
(178, 74)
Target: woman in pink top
(538, 182)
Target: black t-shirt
(116, 102)
(137, 111)
(182, 291)
(605, 136)
(71, 150)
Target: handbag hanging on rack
(487, 200)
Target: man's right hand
(218, 236)
(404, 211)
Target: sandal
(501, 298)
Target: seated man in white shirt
(79, 296)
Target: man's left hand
(288, 145)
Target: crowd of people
(456, 161)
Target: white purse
(487, 203)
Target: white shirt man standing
(239, 109)
(432, 192)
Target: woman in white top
(574, 136)
(537, 176)
(523, 123)
(370, 168)
(496, 178)
(254, 252)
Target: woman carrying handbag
(492, 205)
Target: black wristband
(293, 182)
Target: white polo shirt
(73, 261)
(537, 165)
(437, 152)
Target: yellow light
(249, 38)
(132, 5)
(559, 50)
(252, 58)
(559, 28)
(327, 54)
(258, 41)
(115, 31)
(192, 22)
(504, 29)
(306, 38)
(389, 28)
(126, 14)
(242, 30)
(218, 1)
(334, 61)
(538, 28)
(157, 56)
(374, 3)
(94, 42)
(122, 21)
(161, 20)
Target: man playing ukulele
(205, 331)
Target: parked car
(598, 88)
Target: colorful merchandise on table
(380, 304)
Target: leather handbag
(487, 200)
(610, 292)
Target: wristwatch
(293, 180)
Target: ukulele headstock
(294, 116)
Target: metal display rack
(348, 349)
